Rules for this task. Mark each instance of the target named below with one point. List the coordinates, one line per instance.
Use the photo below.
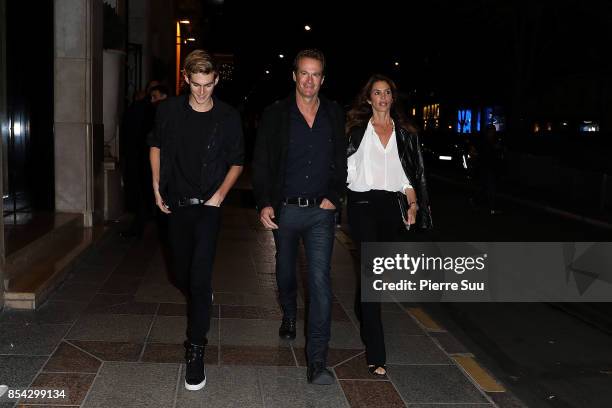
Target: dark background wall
(30, 100)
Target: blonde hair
(199, 62)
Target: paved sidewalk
(111, 336)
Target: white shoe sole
(195, 387)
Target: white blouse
(374, 167)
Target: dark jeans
(316, 228)
(193, 232)
(374, 216)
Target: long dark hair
(361, 111)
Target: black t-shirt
(191, 146)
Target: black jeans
(193, 232)
(374, 216)
(316, 227)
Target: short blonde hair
(199, 62)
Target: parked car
(449, 152)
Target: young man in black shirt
(196, 157)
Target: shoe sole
(195, 387)
(323, 380)
(286, 337)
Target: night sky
(443, 47)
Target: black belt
(304, 201)
(184, 202)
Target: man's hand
(215, 200)
(265, 216)
(160, 203)
(327, 205)
(411, 214)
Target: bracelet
(410, 203)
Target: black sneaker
(318, 374)
(195, 375)
(287, 329)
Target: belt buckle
(300, 202)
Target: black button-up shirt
(309, 155)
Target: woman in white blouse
(384, 159)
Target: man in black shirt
(299, 176)
(196, 157)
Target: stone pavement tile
(172, 329)
(400, 324)
(244, 332)
(134, 385)
(76, 292)
(121, 285)
(120, 304)
(70, 359)
(414, 350)
(263, 256)
(238, 234)
(271, 313)
(366, 394)
(155, 292)
(18, 371)
(89, 274)
(257, 356)
(266, 269)
(287, 387)
(247, 299)
(434, 384)
(343, 283)
(180, 309)
(449, 343)
(232, 266)
(74, 385)
(343, 335)
(30, 339)
(347, 300)
(235, 284)
(450, 406)
(334, 356)
(240, 312)
(356, 369)
(134, 264)
(506, 400)
(173, 309)
(109, 259)
(392, 307)
(51, 312)
(226, 387)
(338, 313)
(110, 351)
(104, 327)
(175, 353)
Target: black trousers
(374, 216)
(193, 232)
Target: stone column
(79, 135)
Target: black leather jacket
(411, 158)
